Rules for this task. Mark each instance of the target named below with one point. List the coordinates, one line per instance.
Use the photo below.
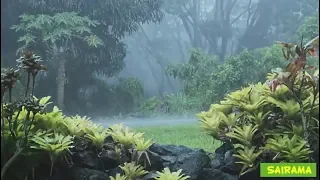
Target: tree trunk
(196, 18)
(258, 25)
(61, 82)
(160, 61)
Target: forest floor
(148, 122)
(166, 130)
(188, 135)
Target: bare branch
(242, 13)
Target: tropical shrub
(152, 106)
(128, 94)
(57, 35)
(309, 27)
(166, 174)
(112, 99)
(181, 104)
(175, 104)
(124, 135)
(55, 144)
(118, 177)
(133, 171)
(196, 75)
(37, 135)
(208, 81)
(17, 132)
(275, 121)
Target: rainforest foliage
(41, 138)
(205, 80)
(275, 121)
(81, 43)
(90, 40)
(87, 47)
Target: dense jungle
(243, 74)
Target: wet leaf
(313, 43)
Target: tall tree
(209, 25)
(212, 25)
(117, 18)
(269, 21)
(57, 34)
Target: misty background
(162, 56)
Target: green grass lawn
(187, 135)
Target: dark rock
(219, 156)
(191, 161)
(169, 150)
(80, 145)
(109, 139)
(255, 174)
(224, 160)
(88, 174)
(224, 148)
(229, 165)
(108, 146)
(115, 171)
(83, 155)
(87, 159)
(109, 159)
(212, 174)
(88, 165)
(216, 163)
(61, 171)
(60, 174)
(156, 161)
(111, 155)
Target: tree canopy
(133, 45)
(116, 18)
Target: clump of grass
(188, 135)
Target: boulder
(109, 159)
(88, 164)
(87, 159)
(88, 174)
(86, 156)
(115, 171)
(211, 173)
(191, 161)
(223, 160)
(196, 163)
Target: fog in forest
(150, 59)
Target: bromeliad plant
(132, 142)
(27, 127)
(166, 174)
(97, 138)
(124, 135)
(11, 125)
(56, 145)
(29, 130)
(132, 171)
(118, 177)
(275, 121)
(140, 150)
(292, 148)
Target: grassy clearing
(187, 135)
